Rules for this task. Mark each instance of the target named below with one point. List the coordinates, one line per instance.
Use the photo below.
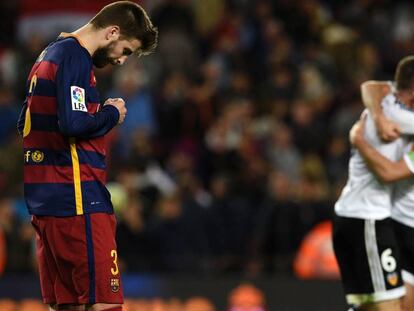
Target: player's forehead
(131, 44)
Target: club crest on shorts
(392, 278)
(114, 285)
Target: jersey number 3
(114, 255)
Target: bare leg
(408, 299)
(103, 306)
(388, 305)
(67, 307)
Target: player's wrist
(378, 116)
(113, 112)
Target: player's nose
(121, 60)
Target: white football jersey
(403, 207)
(364, 196)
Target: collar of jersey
(68, 35)
(401, 104)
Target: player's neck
(89, 37)
(404, 97)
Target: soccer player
(364, 241)
(402, 212)
(63, 128)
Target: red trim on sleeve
(92, 79)
(93, 107)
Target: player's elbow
(367, 85)
(69, 130)
(373, 84)
(388, 176)
(384, 178)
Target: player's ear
(112, 33)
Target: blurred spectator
(235, 143)
(177, 48)
(276, 230)
(11, 166)
(8, 64)
(140, 172)
(337, 159)
(32, 305)
(367, 63)
(282, 153)
(130, 84)
(315, 258)
(133, 239)
(49, 17)
(198, 304)
(3, 251)
(171, 101)
(309, 132)
(8, 305)
(281, 82)
(26, 56)
(207, 15)
(18, 238)
(180, 240)
(8, 114)
(246, 297)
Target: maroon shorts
(78, 259)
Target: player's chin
(102, 63)
(113, 62)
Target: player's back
(364, 196)
(403, 198)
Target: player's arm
(372, 93)
(385, 169)
(72, 79)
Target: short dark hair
(133, 22)
(404, 75)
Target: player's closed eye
(127, 52)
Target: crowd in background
(236, 140)
(245, 297)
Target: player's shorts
(369, 260)
(77, 259)
(404, 235)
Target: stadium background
(235, 144)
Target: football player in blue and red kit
(63, 126)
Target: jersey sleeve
(72, 83)
(404, 117)
(409, 160)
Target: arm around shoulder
(372, 93)
(385, 169)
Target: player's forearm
(383, 168)
(372, 94)
(90, 126)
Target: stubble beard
(100, 57)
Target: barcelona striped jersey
(63, 127)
